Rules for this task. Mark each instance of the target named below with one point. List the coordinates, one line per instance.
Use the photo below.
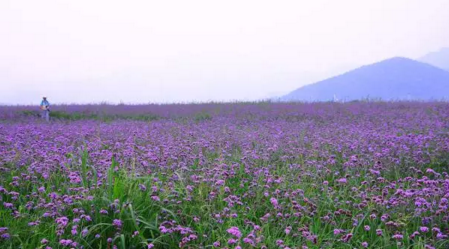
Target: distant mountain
(392, 79)
(439, 59)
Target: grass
(124, 199)
(285, 180)
(74, 116)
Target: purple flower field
(243, 175)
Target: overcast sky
(171, 51)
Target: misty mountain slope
(391, 79)
(439, 59)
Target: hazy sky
(164, 51)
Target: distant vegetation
(73, 116)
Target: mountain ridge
(438, 58)
(395, 78)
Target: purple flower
(87, 218)
(5, 236)
(431, 171)
(379, 232)
(62, 221)
(274, 201)
(234, 231)
(414, 234)
(117, 223)
(74, 230)
(248, 241)
(338, 231)
(65, 242)
(142, 187)
(398, 236)
(342, 180)
(347, 237)
(219, 183)
(33, 223)
(235, 156)
(8, 205)
(232, 241)
(441, 236)
(279, 242)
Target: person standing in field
(45, 107)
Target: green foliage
(142, 216)
(28, 113)
(73, 116)
(202, 116)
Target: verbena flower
(235, 232)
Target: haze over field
(144, 51)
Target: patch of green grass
(74, 116)
(122, 196)
(202, 116)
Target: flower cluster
(280, 175)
